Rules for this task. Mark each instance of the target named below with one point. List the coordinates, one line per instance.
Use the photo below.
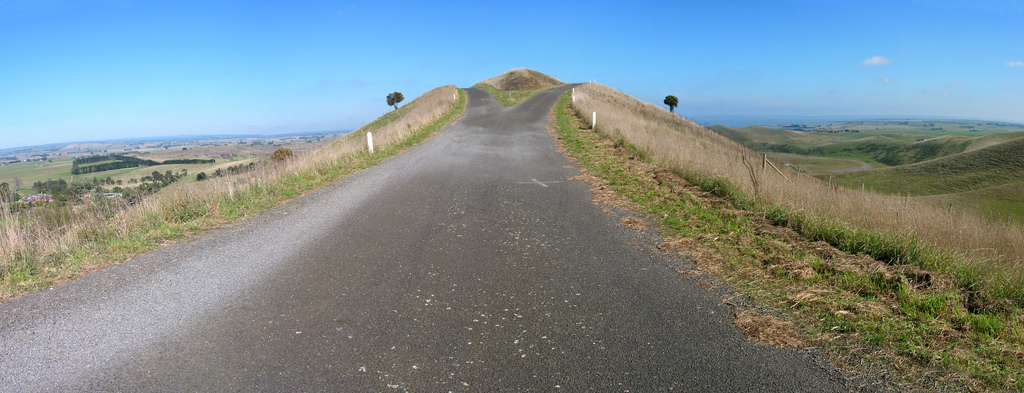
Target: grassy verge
(73, 245)
(511, 97)
(912, 325)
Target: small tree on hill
(672, 103)
(394, 99)
(282, 154)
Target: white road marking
(541, 183)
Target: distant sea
(755, 120)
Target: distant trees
(672, 103)
(118, 161)
(394, 99)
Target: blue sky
(101, 69)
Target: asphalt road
(469, 263)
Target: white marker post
(574, 95)
(369, 141)
(593, 121)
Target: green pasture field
(31, 172)
(999, 203)
(975, 170)
(816, 166)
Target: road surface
(470, 263)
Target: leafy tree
(281, 154)
(394, 99)
(201, 176)
(672, 103)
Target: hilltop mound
(972, 170)
(522, 79)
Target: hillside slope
(522, 79)
(900, 284)
(972, 170)
(886, 149)
(517, 85)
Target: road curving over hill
(469, 263)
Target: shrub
(282, 154)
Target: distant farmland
(55, 162)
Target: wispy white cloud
(876, 61)
(885, 79)
(1017, 63)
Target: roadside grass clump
(42, 246)
(893, 305)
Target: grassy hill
(522, 79)
(993, 139)
(890, 149)
(987, 167)
(970, 170)
(988, 180)
(999, 203)
(517, 85)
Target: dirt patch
(768, 330)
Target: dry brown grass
(408, 119)
(39, 247)
(768, 330)
(993, 251)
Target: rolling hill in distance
(972, 164)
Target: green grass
(885, 143)
(977, 169)
(999, 203)
(31, 172)
(914, 316)
(823, 166)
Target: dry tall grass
(36, 241)
(409, 118)
(990, 251)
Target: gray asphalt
(469, 263)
